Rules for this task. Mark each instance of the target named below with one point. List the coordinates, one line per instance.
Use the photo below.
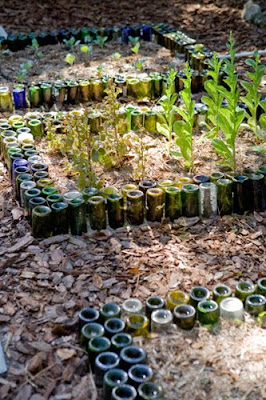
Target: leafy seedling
(70, 58)
(71, 43)
(35, 46)
(139, 64)
(116, 56)
(85, 49)
(24, 70)
(100, 40)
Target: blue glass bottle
(19, 96)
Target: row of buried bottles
(120, 366)
(159, 33)
(142, 87)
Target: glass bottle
(18, 171)
(88, 315)
(185, 316)
(34, 96)
(241, 195)
(224, 196)
(89, 192)
(112, 326)
(5, 99)
(244, 289)
(221, 292)
(46, 93)
(36, 127)
(175, 298)
(77, 216)
(256, 187)
(232, 308)
(30, 153)
(18, 163)
(97, 346)
(108, 190)
(90, 331)
(29, 194)
(54, 198)
(35, 159)
(34, 202)
(13, 157)
(40, 166)
(153, 303)
(48, 190)
(60, 218)
(255, 304)
(155, 204)
(150, 121)
(120, 340)
(41, 222)
(26, 185)
(126, 188)
(84, 91)
(97, 212)
(165, 183)
(261, 287)
(137, 325)
(72, 194)
(146, 184)
(190, 200)
(131, 306)
(19, 179)
(135, 207)
(197, 294)
(72, 91)
(103, 363)
(113, 378)
(173, 204)
(110, 310)
(19, 97)
(150, 391)
(208, 312)
(115, 210)
(132, 355)
(124, 392)
(139, 374)
(207, 199)
(161, 321)
(183, 180)
(44, 182)
(198, 179)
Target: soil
(44, 284)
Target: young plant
(116, 56)
(253, 97)
(100, 40)
(184, 128)
(135, 44)
(24, 70)
(230, 118)
(35, 46)
(71, 43)
(85, 49)
(165, 125)
(139, 64)
(70, 58)
(114, 141)
(215, 98)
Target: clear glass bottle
(207, 199)
(103, 363)
(72, 194)
(131, 306)
(113, 378)
(232, 308)
(161, 321)
(185, 316)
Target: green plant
(139, 64)
(24, 70)
(100, 70)
(230, 118)
(71, 43)
(85, 49)
(253, 97)
(116, 56)
(35, 46)
(114, 142)
(135, 44)
(215, 98)
(184, 128)
(166, 119)
(100, 40)
(70, 58)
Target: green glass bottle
(54, 198)
(110, 310)
(77, 216)
(34, 202)
(26, 185)
(137, 325)
(224, 196)
(135, 207)
(173, 203)
(261, 286)
(132, 355)
(165, 183)
(115, 210)
(84, 91)
(103, 363)
(112, 326)
(190, 200)
(126, 188)
(150, 391)
(87, 315)
(60, 218)
(155, 204)
(44, 182)
(107, 191)
(72, 92)
(41, 222)
(221, 292)
(139, 374)
(36, 167)
(150, 121)
(97, 212)
(97, 346)
(34, 96)
(153, 303)
(29, 194)
(241, 196)
(244, 289)
(46, 93)
(208, 312)
(185, 316)
(175, 298)
(146, 184)
(197, 294)
(19, 179)
(90, 331)
(120, 340)
(113, 378)
(255, 304)
(30, 153)
(36, 128)
(48, 190)
(89, 192)
(256, 188)
(40, 175)
(136, 120)
(124, 392)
